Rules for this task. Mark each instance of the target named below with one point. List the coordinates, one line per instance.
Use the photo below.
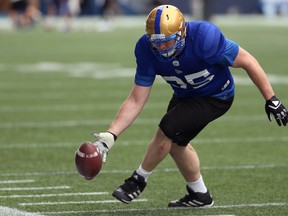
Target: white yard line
(255, 205)
(252, 205)
(243, 167)
(76, 202)
(34, 188)
(5, 211)
(16, 181)
(53, 195)
(39, 173)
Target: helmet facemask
(169, 53)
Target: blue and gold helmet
(166, 23)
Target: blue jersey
(201, 69)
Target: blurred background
(26, 14)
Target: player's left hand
(274, 107)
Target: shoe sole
(174, 205)
(119, 196)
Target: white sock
(145, 174)
(198, 186)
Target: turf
(56, 88)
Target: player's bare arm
(273, 106)
(246, 61)
(127, 113)
(130, 109)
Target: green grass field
(56, 88)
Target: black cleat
(194, 200)
(131, 188)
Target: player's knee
(163, 148)
(174, 150)
(162, 143)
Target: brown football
(88, 160)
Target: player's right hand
(274, 107)
(104, 141)
(103, 150)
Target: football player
(194, 59)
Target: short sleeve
(230, 53)
(145, 72)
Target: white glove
(103, 150)
(104, 141)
